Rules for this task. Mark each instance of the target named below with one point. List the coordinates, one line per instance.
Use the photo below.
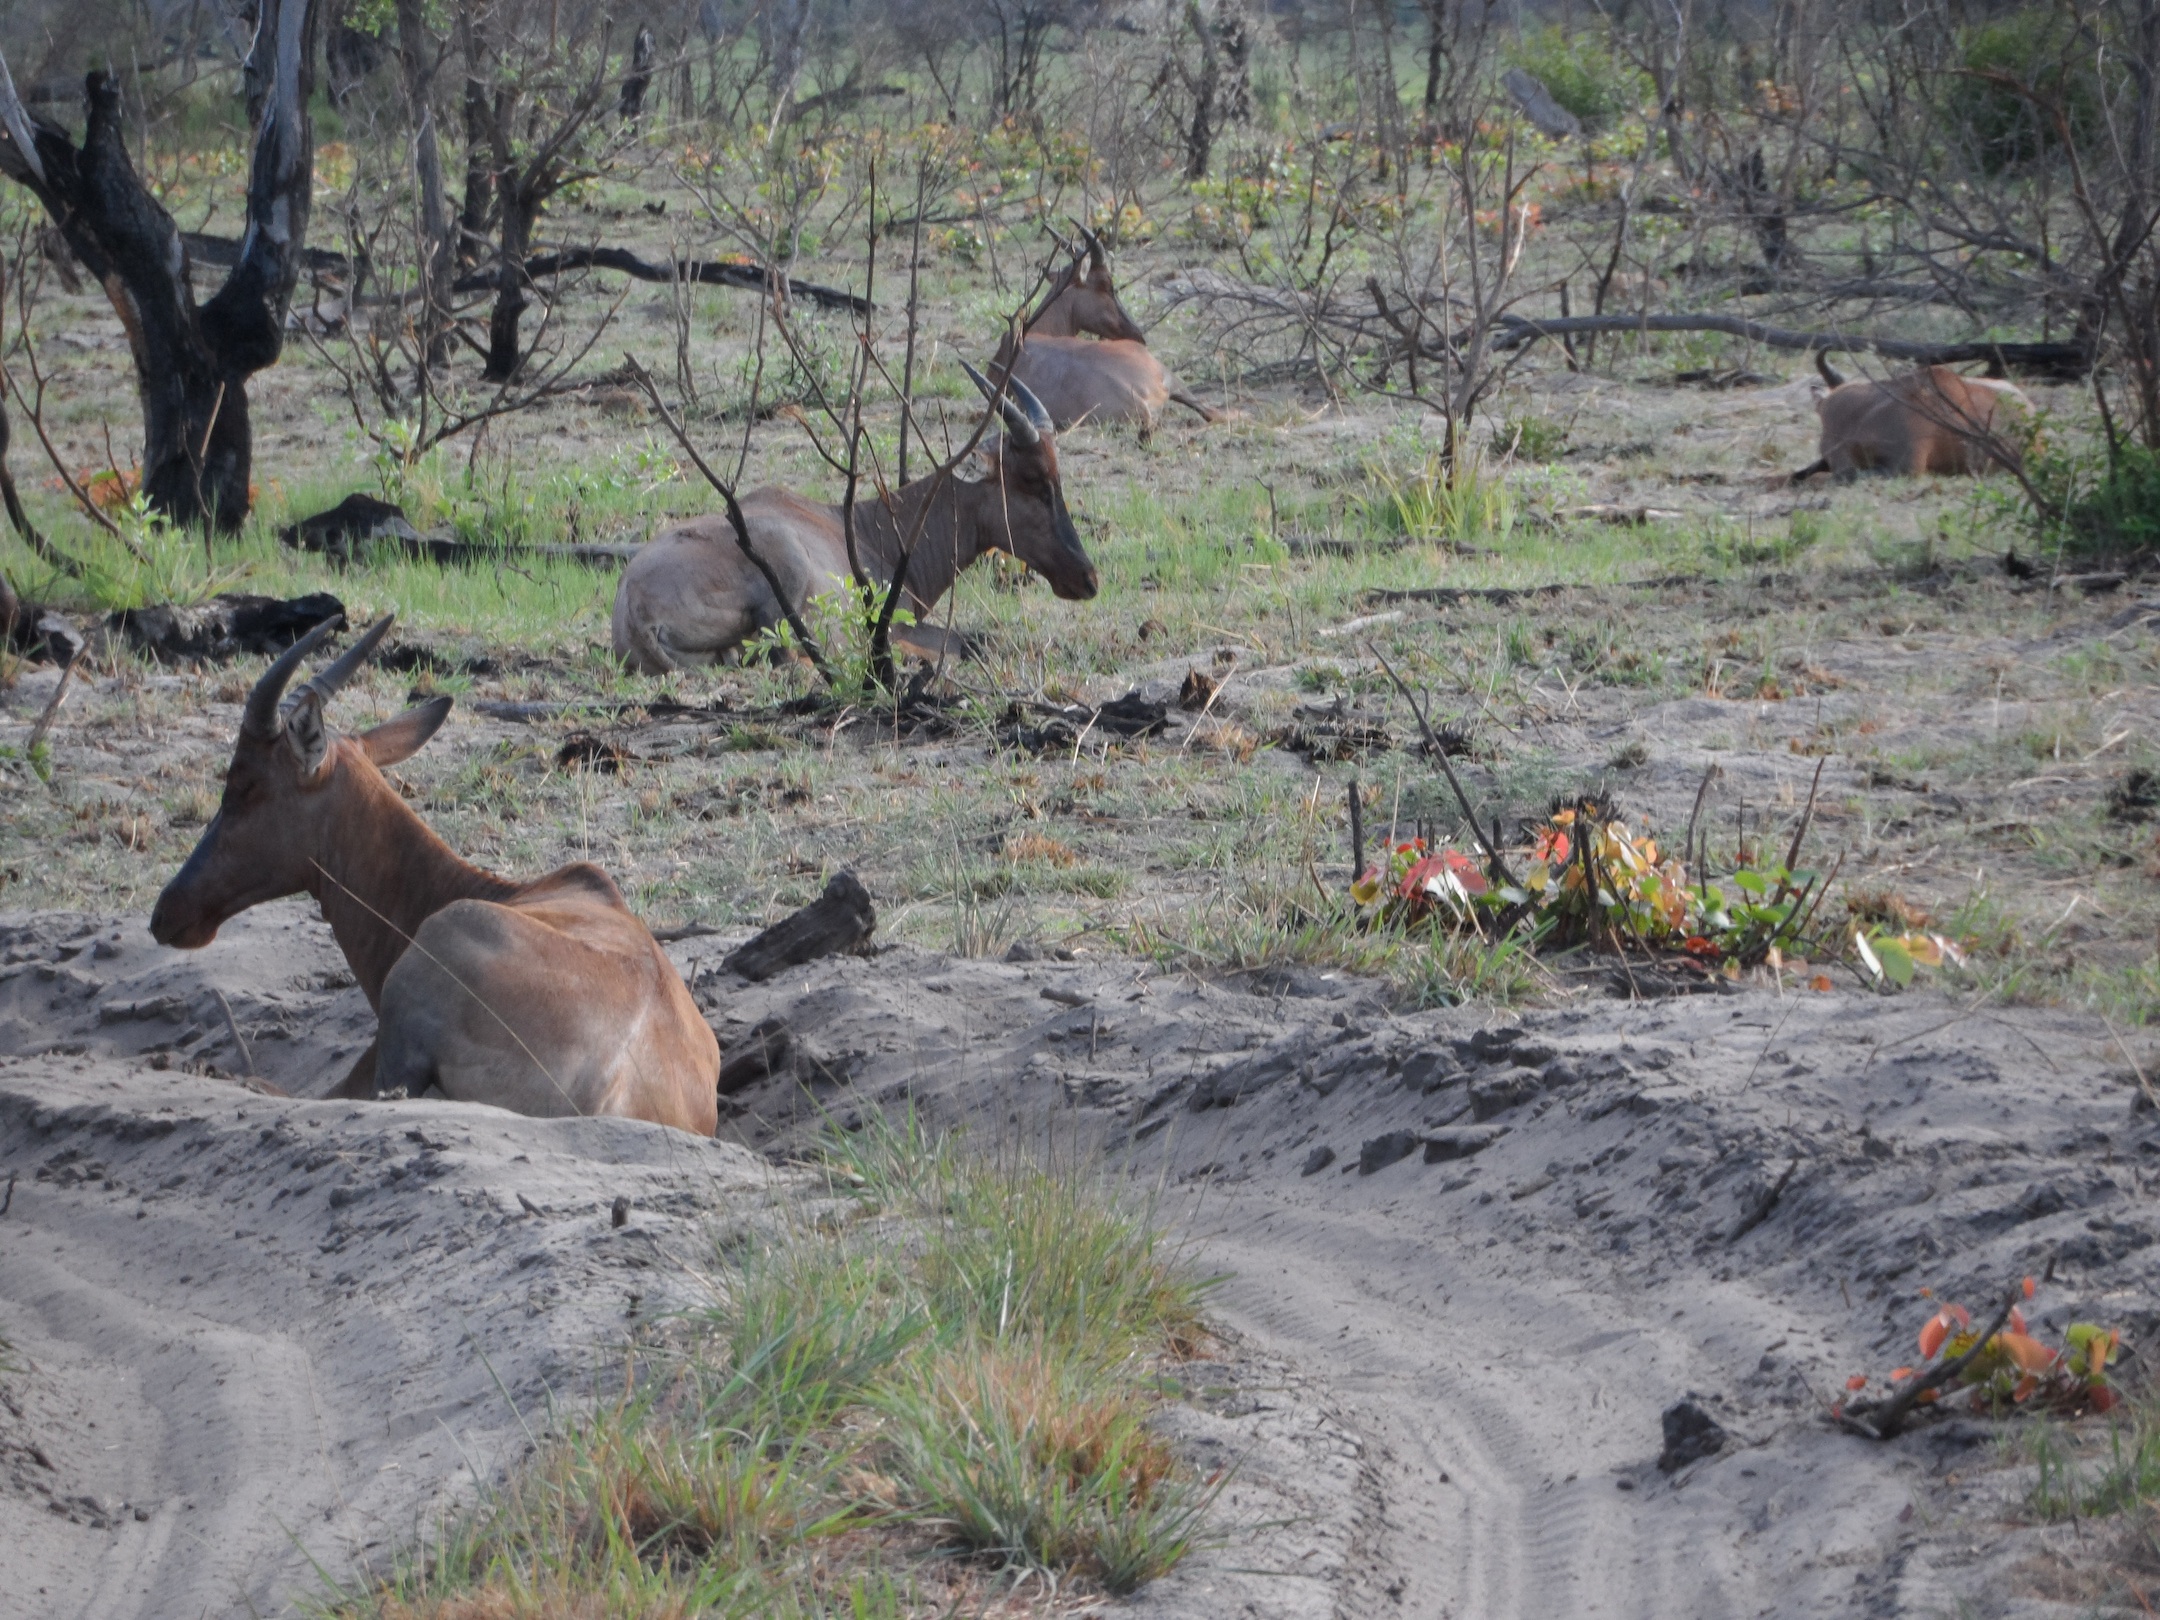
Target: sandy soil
(254, 1336)
(298, 1322)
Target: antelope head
(1027, 517)
(289, 791)
(1085, 300)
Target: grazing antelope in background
(545, 998)
(1107, 377)
(691, 597)
(1929, 421)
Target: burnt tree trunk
(630, 105)
(479, 169)
(1204, 85)
(521, 191)
(519, 210)
(191, 363)
(419, 56)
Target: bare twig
(1500, 872)
(52, 706)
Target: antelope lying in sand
(545, 998)
(1107, 377)
(1928, 421)
(692, 598)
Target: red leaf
(2028, 1288)
(1856, 1381)
(1932, 1336)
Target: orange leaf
(2028, 1288)
(2029, 1353)
(1821, 981)
(2017, 1320)
(1856, 1381)
(1899, 1374)
(1932, 1336)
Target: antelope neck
(382, 872)
(951, 536)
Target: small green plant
(843, 624)
(1585, 876)
(1431, 501)
(2008, 1369)
(1530, 438)
(2127, 1475)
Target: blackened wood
(841, 919)
(705, 272)
(191, 364)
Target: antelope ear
(305, 734)
(405, 736)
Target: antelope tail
(1207, 412)
(1829, 372)
(1821, 464)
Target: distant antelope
(1929, 421)
(1107, 377)
(545, 998)
(691, 597)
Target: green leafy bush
(2095, 505)
(2043, 51)
(1583, 72)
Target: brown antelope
(1928, 421)
(1087, 359)
(545, 998)
(691, 597)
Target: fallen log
(360, 522)
(2055, 362)
(743, 273)
(841, 919)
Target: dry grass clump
(967, 1364)
(1026, 847)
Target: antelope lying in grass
(692, 598)
(545, 998)
(1928, 421)
(1107, 377)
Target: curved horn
(260, 717)
(1038, 418)
(327, 681)
(1094, 245)
(1019, 426)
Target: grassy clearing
(938, 1383)
(1865, 625)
